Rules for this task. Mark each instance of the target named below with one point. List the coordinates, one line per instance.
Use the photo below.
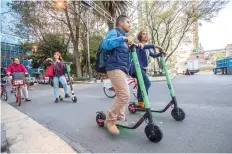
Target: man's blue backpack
(102, 56)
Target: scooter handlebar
(69, 63)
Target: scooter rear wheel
(178, 116)
(132, 107)
(100, 118)
(153, 133)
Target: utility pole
(90, 4)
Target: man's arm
(112, 41)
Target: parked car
(43, 80)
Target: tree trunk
(77, 57)
(75, 40)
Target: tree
(115, 8)
(170, 22)
(43, 17)
(42, 50)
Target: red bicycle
(18, 80)
(109, 89)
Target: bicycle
(109, 89)
(4, 95)
(18, 80)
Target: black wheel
(223, 72)
(153, 133)
(132, 107)
(214, 71)
(4, 96)
(100, 118)
(61, 98)
(18, 100)
(178, 116)
(109, 92)
(74, 99)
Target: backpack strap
(118, 32)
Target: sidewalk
(25, 135)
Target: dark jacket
(120, 57)
(143, 55)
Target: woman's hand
(141, 45)
(159, 47)
(161, 50)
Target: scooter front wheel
(153, 133)
(178, 116)
(74, 99)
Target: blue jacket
(120, 57)
(143, 55)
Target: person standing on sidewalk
(143, 53)
(117, 67)
(59, 76)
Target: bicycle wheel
(4, 96)
(133, 87)
(135, 91)
(18, 96)
(109, 92)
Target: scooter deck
(129, 124)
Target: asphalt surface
(205, 98)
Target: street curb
(172, 78)
(25, 135)
(159, 80)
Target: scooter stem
(169, 83)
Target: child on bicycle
(143, 53)
(17, 67)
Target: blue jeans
(146, 82)
(56, 81)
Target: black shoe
(57, 100)
(27, 100)
(67, 96)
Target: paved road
(206, 99)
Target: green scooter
(152, 131)
(177, 113)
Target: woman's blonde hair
(60, 57)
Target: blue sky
(218, 33)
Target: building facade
(8, 51)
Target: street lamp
(60, 4)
